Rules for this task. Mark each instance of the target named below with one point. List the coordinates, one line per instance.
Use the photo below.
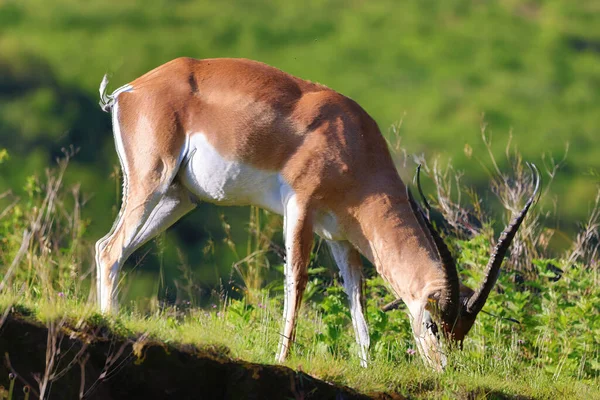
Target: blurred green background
(531, 67)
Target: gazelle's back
(259, 114)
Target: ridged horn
(418, 179)
(478, 299)
(445, 255)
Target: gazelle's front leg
(298, 243)
(348, 260)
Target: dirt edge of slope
(105, 366)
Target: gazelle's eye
(432, 326)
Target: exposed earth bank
(93, 363)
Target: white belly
(214, 179)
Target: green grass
(553, 351)
(253, 336)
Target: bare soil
(94, 363)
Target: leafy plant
(336, 318)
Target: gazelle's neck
(394, 241)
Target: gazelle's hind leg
(138, 224)
(152, 201)
(298, 231)
(348, 260)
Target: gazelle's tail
(106, 100)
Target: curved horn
(478, 299)
(418, 178)
(449, 304)
(445, 254)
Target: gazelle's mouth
(431, 346)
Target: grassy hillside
(529, 72)
(231, 349)
(539, 335)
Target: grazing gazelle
(239, 132)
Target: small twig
(12, 205)
(82, 363)
(505, 318)
(75, 359)
(110, 361)
(17, 259)
(392, 306)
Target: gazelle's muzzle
(429, 342)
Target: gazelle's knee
(99, 248)
(104, 257)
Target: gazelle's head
(450, 313)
